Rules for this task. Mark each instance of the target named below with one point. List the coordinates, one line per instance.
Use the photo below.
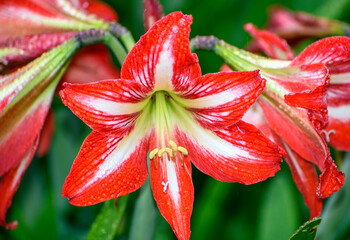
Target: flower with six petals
(163, 109)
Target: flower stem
(116, 47)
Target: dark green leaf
(108, 220)
(307, 231)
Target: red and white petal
(9, 184)
(305, 140)
(338, 127)
(21, 124)
(109, 106)
(269, 43)
(173, 191)
(306, 178)
(26, 48)
(153, 11)
(162, 59)
(239, 153)
(107, 167)
(334, 52)
(220, 99)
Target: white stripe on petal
(164, 68)
(112, 107)
(339, 78)
(340, 113)
(213, 143)
(173, 186)
(117, 157)
(213, 100)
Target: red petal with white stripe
(106, 168)
(239, 153)
(9, 184)
(162, 59)
(269, 43)
(305, 140)
(109, 107)
(173, 190)
(220, 99)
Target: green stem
(128, 41)
(116, 47)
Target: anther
(153, 153)
(173, 145)
(183, 150)
(165, 186)
(161, 151)
(169, 151)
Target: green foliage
(307, 231)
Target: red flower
(26, 93)
(164, 109)
(296, 25)
(299, 131)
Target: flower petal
(239, 153)
(173, 191)
(109, 106)
(26, 48)
(107, 167)
(272, 45)
(305, 177)
(46, 134)
(162, 59)
(153, 11)
(220, 99)
(9, 184)
(331, 179)
(338, 127)
(305, 140)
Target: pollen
(183, 150)
(153, 153)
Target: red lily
(26, 93)
(336, 57)
(294, 26)
(279, 115)
(164, 109)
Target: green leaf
(307, 231)
(279, 215)
(108, 220)
(144, 216)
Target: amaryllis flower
(336, 57)
(294, 109)
(294, 26)
(163, 109)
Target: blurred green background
(270, 210)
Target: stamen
(183, 150)
(173, 145)
(165, 186)
(161, 151)
(153, 153)
(328, 133)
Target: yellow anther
(169, 151)
(161, 151)
(183, 150)
(153, 153)
(173, 145)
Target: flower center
(165, 111)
